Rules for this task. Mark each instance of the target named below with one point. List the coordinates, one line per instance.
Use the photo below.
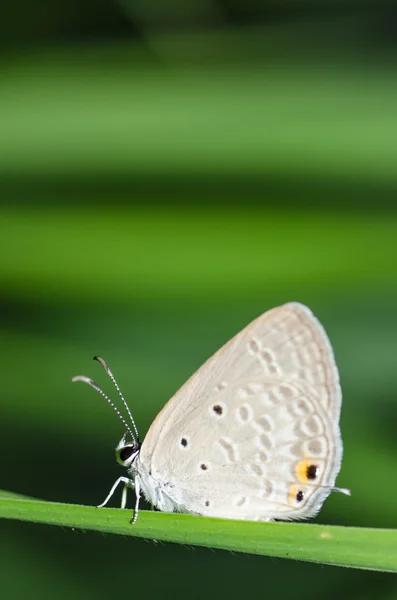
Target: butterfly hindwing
(256, 451)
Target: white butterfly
(253, 434)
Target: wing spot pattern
(273, 397)
(244, 414)
(317, 447)
(261, 457)
(270, 362)
(312, 426)
(253, 346)
(265, 441)
(286, 391)
(264, 423)
(301, 407)
(306, 375)
(255, 469)
(255, 388)
(218, 410)
(220, 386)
(265, 356)
(296, 449)
(298, 495)
(268, 488)
(251, 389)
(243, 501)
(229, 449)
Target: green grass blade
(362, 548)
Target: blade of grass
(364, 548)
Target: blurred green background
(168, 171)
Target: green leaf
(364, 548)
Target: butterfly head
(126, 451)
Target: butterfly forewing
(254, 433)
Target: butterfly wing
(254, 432)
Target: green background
(165, 177)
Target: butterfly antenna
(111, 376)
(96, 387)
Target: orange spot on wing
(301, 470)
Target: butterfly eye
(126, 454)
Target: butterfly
(252, 435)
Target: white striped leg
(127, 483)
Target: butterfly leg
(138, 497)
(127, 483)
(124, 494)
